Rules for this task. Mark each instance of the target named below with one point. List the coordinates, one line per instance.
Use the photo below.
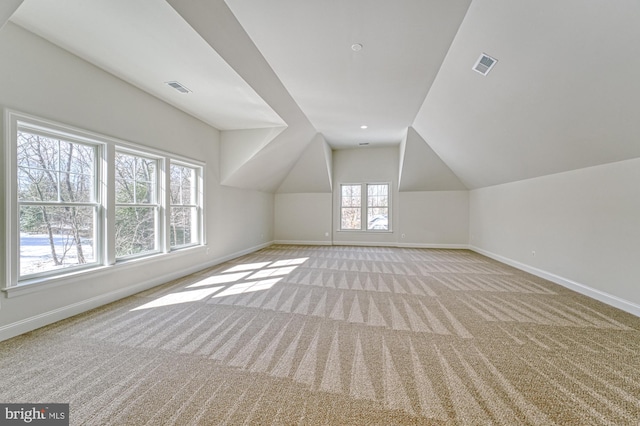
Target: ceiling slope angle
(353, 63)
(147, 44)
(562, 96)
(313, 171)
(421, 169)
(263, 169)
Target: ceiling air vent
(484, 64)
(179, 87)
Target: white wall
(303, 218)
(365, 165)
(40, 79)
(583, 225)
(433, 219)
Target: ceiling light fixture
(356, 47)
(178, 86)
(364, 126)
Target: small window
(57, 203)
(351, 207)
(184, 205)
(378, 207)
(369, 201)
(137, 204)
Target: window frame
(198, 196)
(156, 205)
(364, 208)
(104, 222)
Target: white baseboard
(433, 246)
(303, 243)
(29, 324)
(601, 296)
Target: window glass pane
(350, 207)
(182, 185)
(135, 230)
(378, 218)
(350, 218)
(378, 207)
(182, 229)
(55, 237)
(54, 170)
(135, 179)
(37, 185)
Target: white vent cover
(179, 87)
(484, 64)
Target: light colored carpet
(339, 335)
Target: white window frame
(197, 195)
(156, 205)
(364, 207)
(104, 228)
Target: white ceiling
(564, 94)
(146, 43)
(308, 45)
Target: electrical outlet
(533, 253)
(403, 235)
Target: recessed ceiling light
(364, 126)
(178, 86)
(356, 47)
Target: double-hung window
(137, 204)
(364, 203)
(57, 201)
(79, 200)
(184, 205)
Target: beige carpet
(339, 335)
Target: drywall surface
(42, 80)
(303, 218)
(581, 227)
(365, 165)
(433, 219)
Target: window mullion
(109, 200)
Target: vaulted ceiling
(286, 81)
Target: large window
(77, 200)
(369, 201)
(57, 202)
(137, 204)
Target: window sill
(41, 283)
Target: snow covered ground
(35, 252)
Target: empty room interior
(321, 212)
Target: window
(351, 207)
(137, 204)
(378, 207)
(57, 202)
(373, 206)
(184, 205)
(78, 200)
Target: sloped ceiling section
(421, 169)
(313, 171)
(309, 45)
(564, 94)
(7, 8)
(237, 147)
(265, 169)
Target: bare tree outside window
(136, 204)
(183, 206)
(351, 207)
(57, 202)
